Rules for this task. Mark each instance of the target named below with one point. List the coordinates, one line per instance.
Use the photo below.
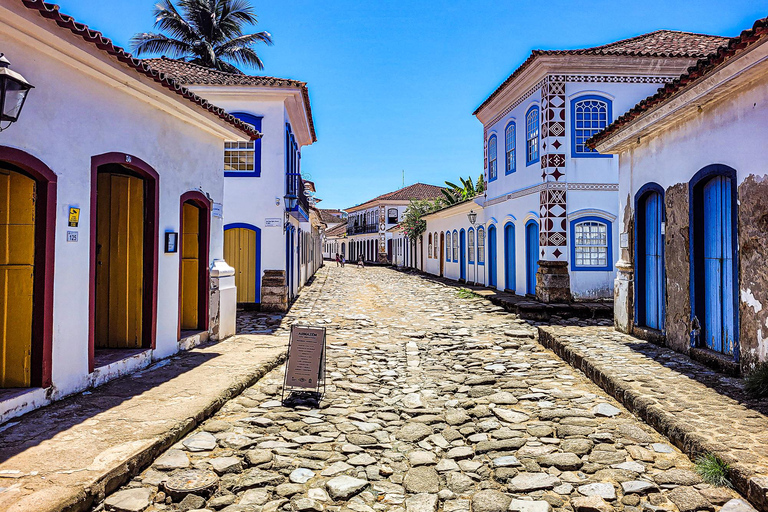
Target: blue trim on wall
(574, 101)
(694, 187)
(510, 257)
(462, 254)
(643, 191)
(531, 264)
(538, 136)
(609, 256)
(495, 159)
(493, 274)
(256, 122)
(244, 225)
(509, 169)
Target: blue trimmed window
(471, 245)
(589, 115)
(492, 171)
(292, 164)
(480, 246)
(591, 244)
(455, 246)
(532, 135)
(244, 158)
(509, 145)
(447, 246)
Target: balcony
(365, 228)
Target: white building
(367, 223)
(113, 241)
(336, 241)
(693, 192)
(262, 231)
(332, 219)
(548, 220)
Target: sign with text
(273, 222)
(306, 350)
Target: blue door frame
(714, 259)
(462, 255)
(650, 281)
(258, 253)
(531, 255)
(492, 256)
(509, 257)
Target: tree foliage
(413, 225)
(468, 189)
(205, 32)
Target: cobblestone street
(436, 400)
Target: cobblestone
(433, 402)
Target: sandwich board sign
(305, 367)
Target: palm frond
(168, 19)
(142, 44)
(449, 197)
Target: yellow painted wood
(240, 253)
(190, 266)
(119, 261)
(17, 258)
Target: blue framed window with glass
(492, 170)
(292, 165)
(589, 115)
(243, 158)
(509, 148)
(532, 135)
(592, 244)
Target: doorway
(649, 273)
(193, 248)
(531, 255)
(463, 256)
(442, 251)
(509, 257)
(492, 256)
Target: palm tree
(456, 194)
(204, 32)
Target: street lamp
(13, 93)
(290, 202)
(472, 216)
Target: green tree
(413, 225)
(456, 194)
(205, 32)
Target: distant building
(693, 197)
(335, 241)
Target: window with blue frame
(480, 246)
(589, 115)
(292, 164)
(447, 246)
(471, 245)
(591, 247)
(243, 158)
(532, 135)
(455, 246)
(492, 158)
(509, 141)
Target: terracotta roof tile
(330, 216)
(339, 230)
(661, 43)
(52, 12)
(417, 191)
(194, 74)
(695, 73)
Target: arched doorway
(242, 250)
(27, 229)
(124, 247)
(509, 257)
(463, 256)
(193, 261)
(531, 255)
(442, 252)
(649, 260)
(492, 256)
(715, 270)
(343, 249)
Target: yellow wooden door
(240, 252)
(17, 258)
(119, 261)
(190, 266)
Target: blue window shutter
(256, 122)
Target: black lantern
(472, 216)
(13, 93)
(291, 201)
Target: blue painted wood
(463, 255)
(492, 256)
(654, 264)
(509, 257)
(719, 321)
(531, 255)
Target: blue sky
(394, 83)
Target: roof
(330, 216)
(339, 230)
(96, 38)
(194, 74)
(417, 191)
(695, 73)
(661, 43)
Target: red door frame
(151, 220)
(45, 218)
(200, 200)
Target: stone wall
(678, 268)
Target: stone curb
(683, 435)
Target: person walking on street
(343, 260)
(360, 263)
(338, 260)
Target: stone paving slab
(64, 456)
(699, 409)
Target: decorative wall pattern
(552, 200)
(536, 189)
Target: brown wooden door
(17, 257)
(119, 261)
(190, 267)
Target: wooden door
(190, 266)
(119, 261)
(531, 256)
(653, 274)
(719, 319)
(509, 257)
(492, 256)
(17, 258)
(240, 251)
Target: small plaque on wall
(171, 242)
(273, 222)
(624, 240)
(217, 210)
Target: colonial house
(549, 212)
(368, 223)
(455, 242)
(112, 235)
(406, 253)
(336, 241)
(693, 197)
(264, 192)
(331, 218)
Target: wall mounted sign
(71, 236)
(273, 222)
(624, 240)
(171, 242)
(305, 367)
(74, 217)
(217, 210)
